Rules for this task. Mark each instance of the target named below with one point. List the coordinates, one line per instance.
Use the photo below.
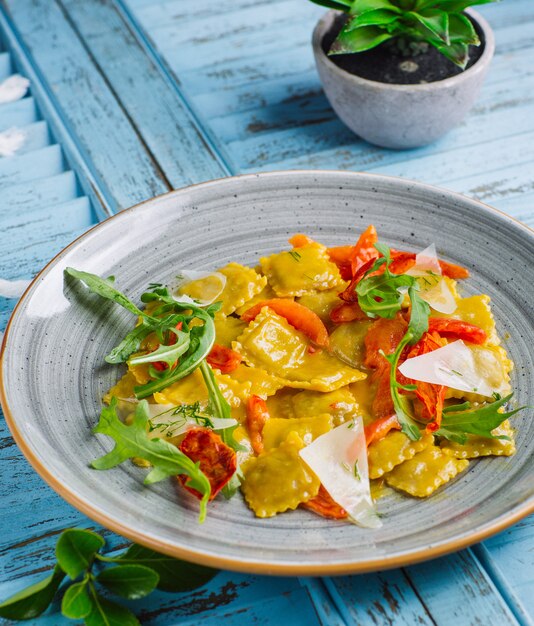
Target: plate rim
(500, 523)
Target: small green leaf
(75, 550)
(76, 603)
(380, 17)
(461, 30)
(33, 600)
(362, 6)
(129, 581)
(338, 5)
(457, 6)
(167, 354)
(359, 40)
(458, 53)
(437, 22)
(174, 575)
(107, 613)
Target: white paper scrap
(13, 88)
(11, 140)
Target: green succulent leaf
(33, 600)
(437, 22)
(380, 17)
(76, 603)
(359, 40)
(132, 441)
(130, 581)
(76, 549)
(107, 613)
(461, 30)
(338, 5)
(174, 575)
(457, 6)
(362, 6)
(456, 52)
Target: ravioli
(277, 430)
(301, 271)
(340, 404)
(278, 480)
(425, 472)
(272, 344)
(227, 329)
(476, 310)
(262, 383)
(123, 388)
(347, 342)
(483, 446)
(322, 302)
(242, 284)
(395, 448)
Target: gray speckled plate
(53, 374)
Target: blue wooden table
(132, 98)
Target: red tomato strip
(340, 255)
(257, 415)
(380, 428)
(457, 329)
(364, 249)
(217, 460)
(299, 316)
(349, 295)
(223, 359)
(324, 505)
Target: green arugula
(135, 573)
(383, 296)
(132, 441)
(461, 420)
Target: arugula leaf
(76, 549)
(457, 423)
(33, 600)
(130, 344)
(167, 354)
(131, 581)
(132, 441)
(105, 289)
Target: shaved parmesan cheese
(434, 289)
(339, 459)
(452, 366)
(200, 288)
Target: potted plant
(401, 73)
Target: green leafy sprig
(439, 23)
(132, 441)
(383, 296)
(135, 573)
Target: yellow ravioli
(192, 389)
(262, 383)
(281, 404)
(392, 450)
(483, 446)
(266, 293)
(276, 430)
(301, 271)
(227, 329)
(340, 404)
(272, 344)
(322, 302)
(124, 388)
(347, 342)
(425, 472)
(278, 480)
(242, 284)
(476, 310)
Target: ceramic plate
(53, 372)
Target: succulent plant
(439, 23)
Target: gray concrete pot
(400, 116)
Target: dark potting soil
(383, 65)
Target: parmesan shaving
(433, 287)
(452, 366)
(339, 459)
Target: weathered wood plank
(18, 113)
(44, 193)
(149, 98)
(41, 163)
(88, 105)
(456, 589)
(36, 136)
